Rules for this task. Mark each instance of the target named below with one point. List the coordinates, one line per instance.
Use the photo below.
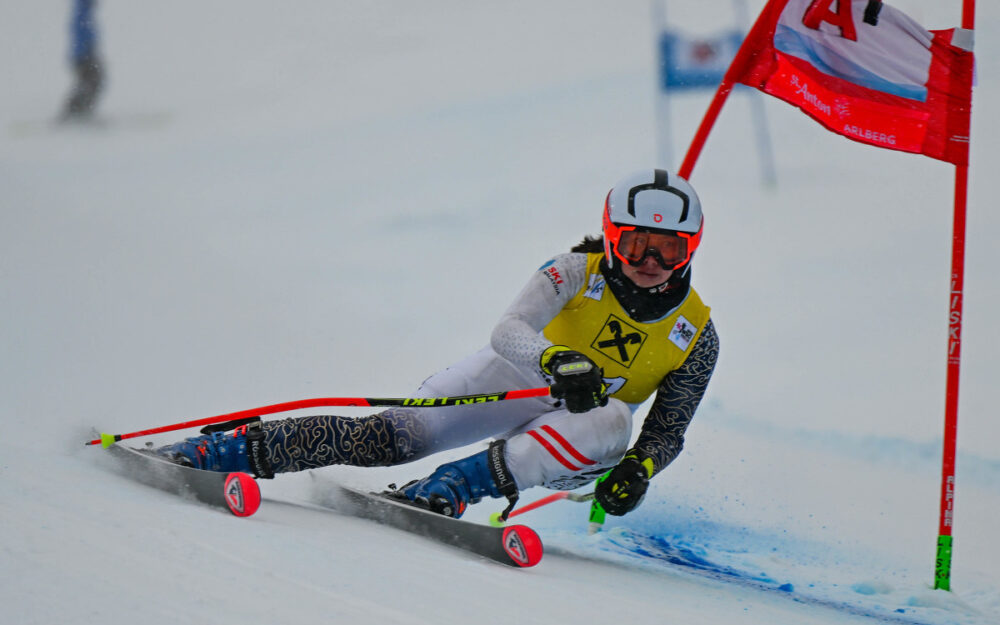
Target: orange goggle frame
(632, 245)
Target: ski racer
(88, 67)
(606, 326)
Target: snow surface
(330, 198)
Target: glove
(620, 490)
(575, 378)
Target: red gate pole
(942, 565)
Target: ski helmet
(652, 213)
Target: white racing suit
(545, 444)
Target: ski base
(236, 492)
(514, 545)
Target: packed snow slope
(323, 198)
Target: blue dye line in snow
(652, 551)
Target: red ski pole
(496, 520)
(107, 440)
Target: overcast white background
(331, 198)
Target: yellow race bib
(635, 356)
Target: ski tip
(523, 545)
(242, 494)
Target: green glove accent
(597, 514)
(645, 464)
(622, 489)
(545, 360)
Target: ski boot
(240, 450)
(452, 487)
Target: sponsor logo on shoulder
(595, 287)
(683, 333)
(550, 272)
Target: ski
(236, 492)
(514, 545)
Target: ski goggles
(670, 249)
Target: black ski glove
(575, 379)
(620, 490)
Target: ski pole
(596, 519)
(496, 520)
(107, 440)
(597, 512)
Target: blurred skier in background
(606, 326)
(88, 69)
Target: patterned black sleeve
(662, 435)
